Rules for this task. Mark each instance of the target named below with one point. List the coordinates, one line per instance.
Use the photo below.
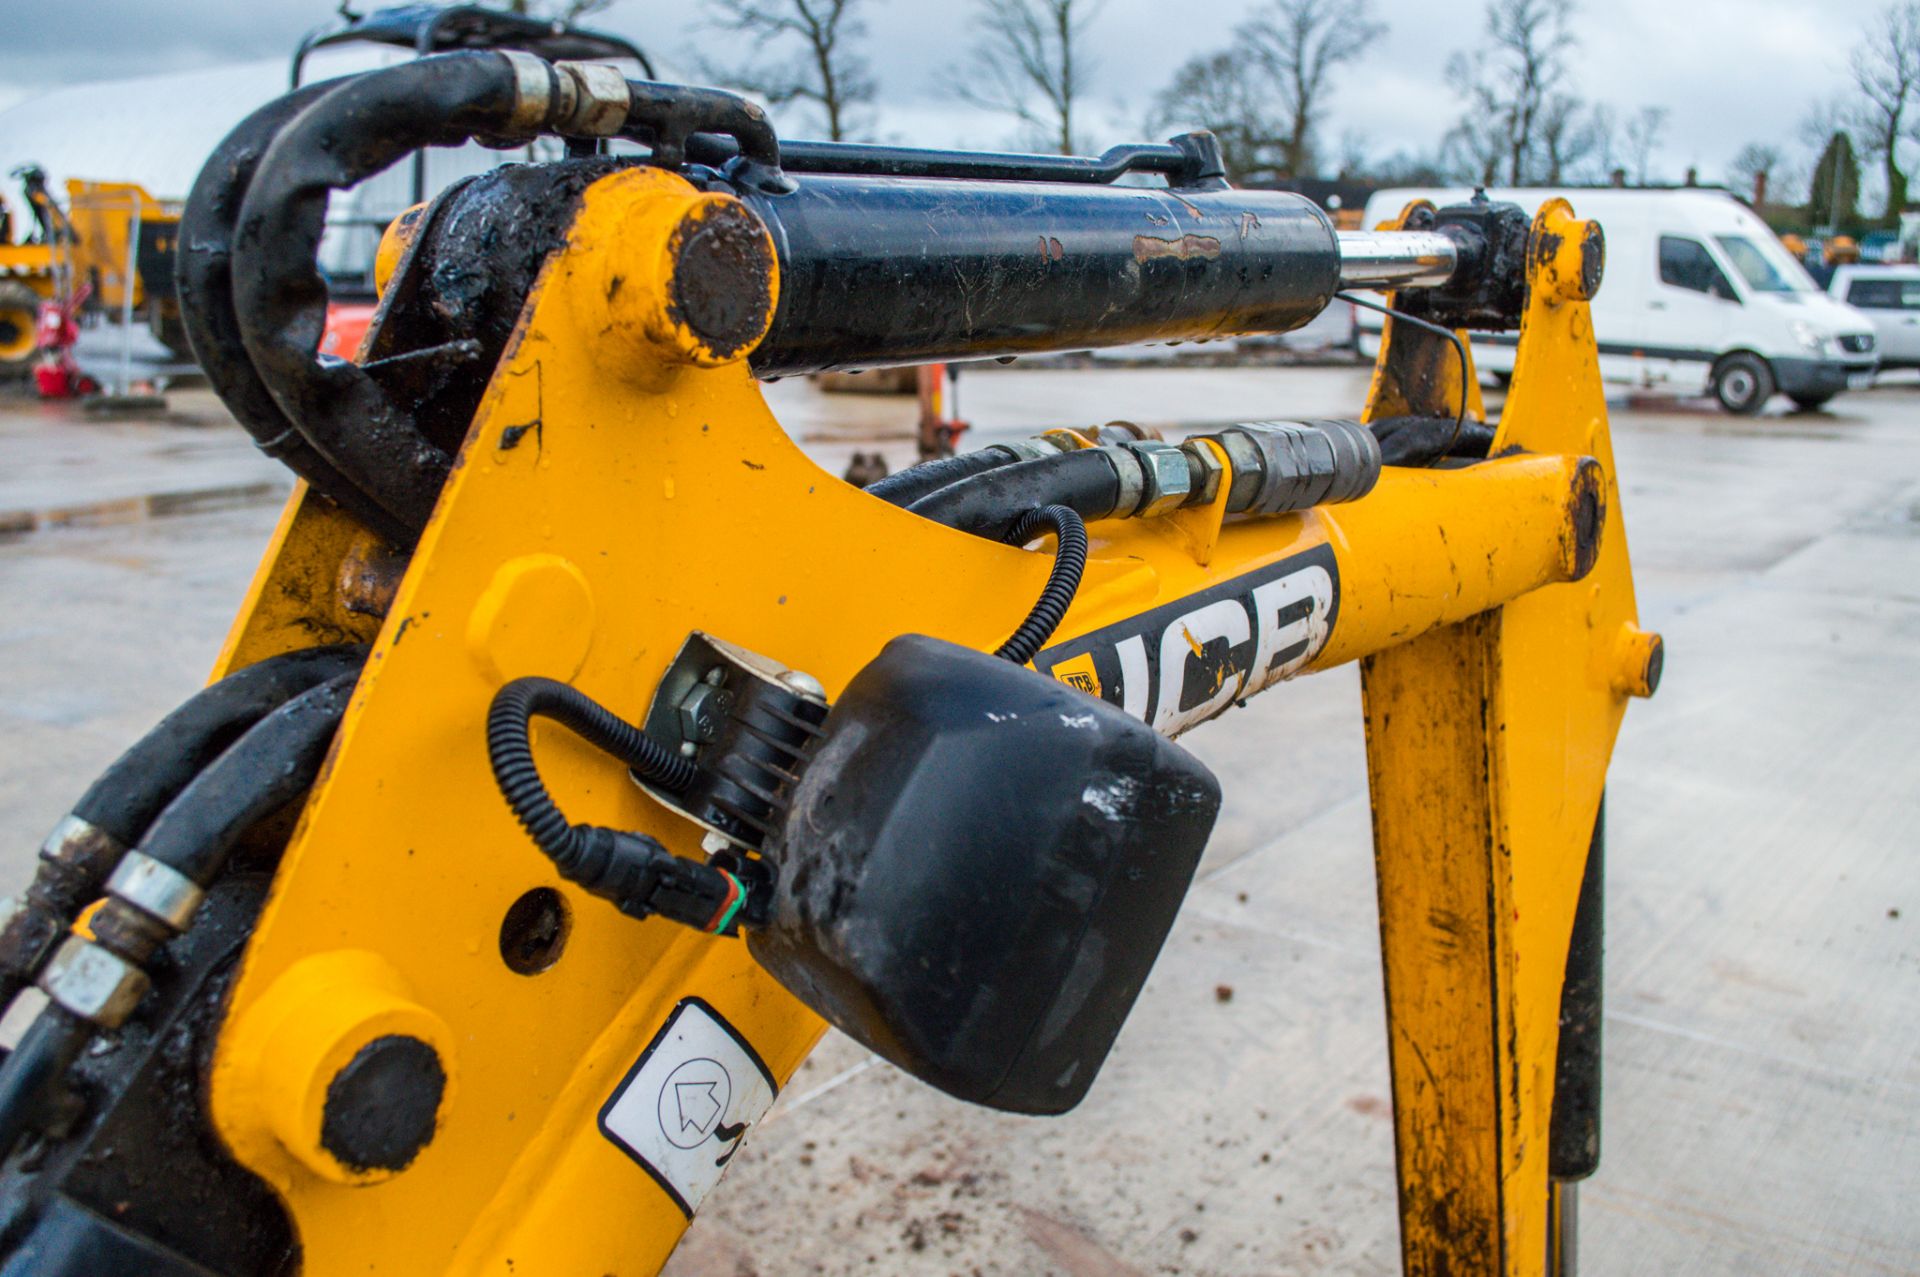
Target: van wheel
(1743, 383)
(1810, 403)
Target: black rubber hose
(1069, 563)
(275, 761)
(989, 504)
(37, 1068)
(1421, 441)
(280, 297)
(204, 273)
(510, 749)
(905, 487)
(142, 781)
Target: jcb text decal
(1186, 661)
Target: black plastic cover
(977, 870)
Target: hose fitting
(1280, 466)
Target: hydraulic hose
(275, 761)
(905, 487)
(142, 781)
(639, 875)
(1069, 563)
(280, 298)
(205, 275)
(1421, 441)
(117, 808)
(36, 1069)
(990, 504)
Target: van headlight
(1809, 337)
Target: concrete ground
(1763, 1028)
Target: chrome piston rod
(1396, 259)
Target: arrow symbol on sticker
(696, 1098)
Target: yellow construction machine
(113, 239)
(348, 970)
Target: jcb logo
(1183, 663)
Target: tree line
(1266, 94)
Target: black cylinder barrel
(887, 271)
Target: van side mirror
(976, 869)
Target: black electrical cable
(904, 487)
(639, 875)
(510, 749)
(1069, 564)
(1459, 348)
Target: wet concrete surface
(1763, 1030)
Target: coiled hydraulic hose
(1069, 564)
(205, 274)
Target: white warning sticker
(683, 1109)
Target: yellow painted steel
(614, 493)
(1487, 747)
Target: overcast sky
(1729, 71)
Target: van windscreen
(1762, 274)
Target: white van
(1699, 295)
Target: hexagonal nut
(1168, 480)
(701, 711)
(94, 984)
(1207, 464)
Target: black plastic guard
(977, 870)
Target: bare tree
(1225, 93)
(1476, 146)
(822, 68)
(1029, 64)
(1570, 135)
(1754, 169)
(1643, 135)
(1301, 43)
(1886, 71)
(1512, 84)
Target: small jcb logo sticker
(1079, 673)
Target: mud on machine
(348, 970)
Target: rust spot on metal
(723, 278)
(1187, 247)
(1248, 223)
(1193, 210)
(369, 577)
(1056, 249)
(1593, 260)
(1586, 517)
